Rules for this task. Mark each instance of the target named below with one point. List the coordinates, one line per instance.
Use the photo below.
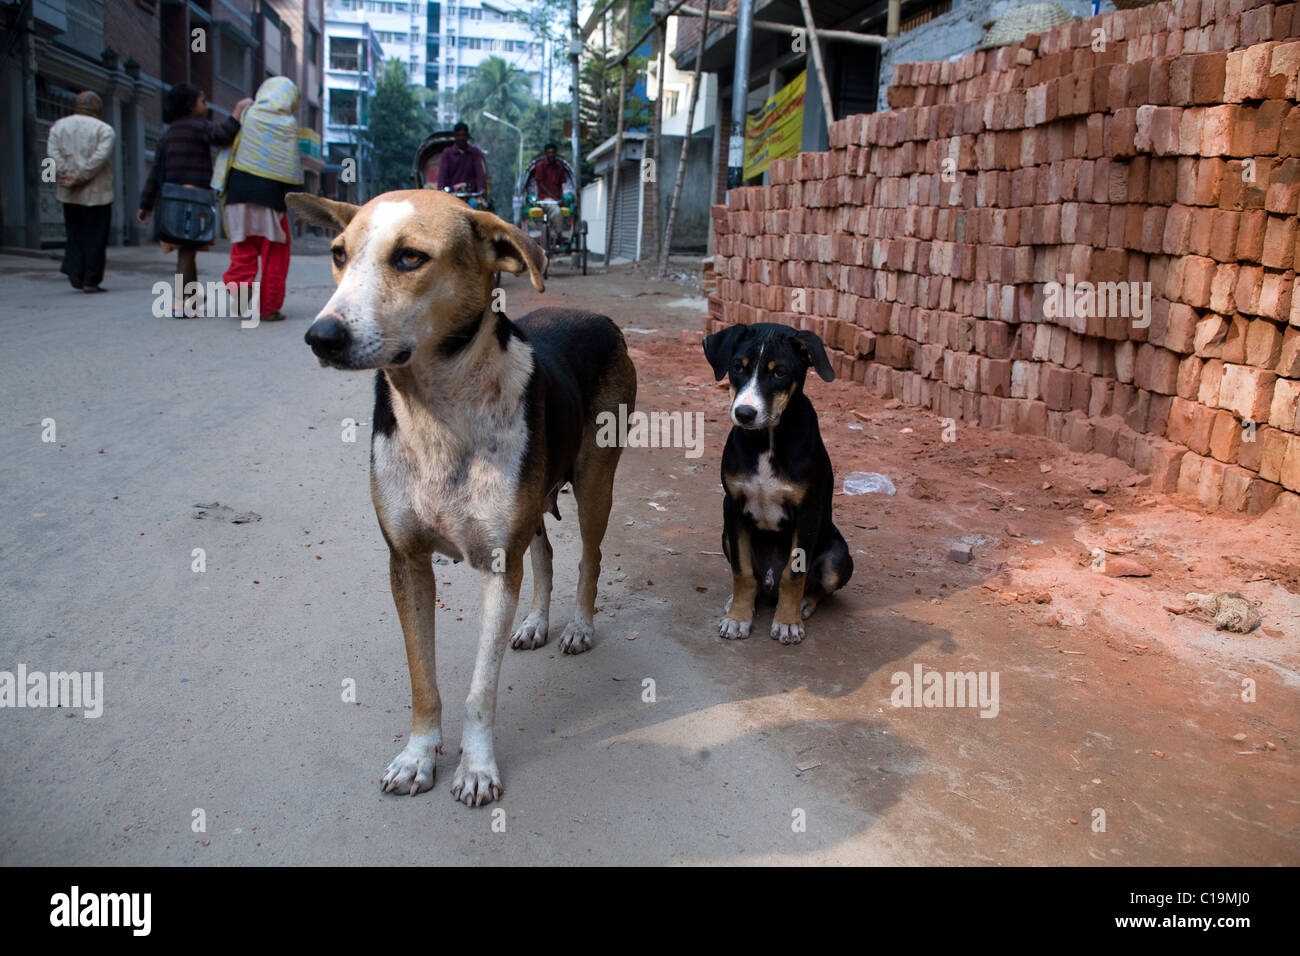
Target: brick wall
(1164, 149)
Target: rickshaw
(537, 222)
(425, 173)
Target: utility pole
(31, 148)
(739, 94)
(575, 52)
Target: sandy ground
(224, 689)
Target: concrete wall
(691, 231)
(957, 33)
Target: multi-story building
(354, 61)
(442, 43)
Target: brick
(1210, 488)
(1284, 412)
(1208, 76)
(1263, 344)
(1189, 377)
(1272, 452)
(1290, 474)
(1189, 475)
(1211, 380)
(1247, 391)
(1288, 363)
(1251, 226)
(1279, 242)
(1225, 436)
(1217, 128)
(1263, 494)
(1236, 489)
(1198, 276)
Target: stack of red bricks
(945, 250)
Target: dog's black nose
(328, 337)
(745, 414)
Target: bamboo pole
(659, 135)
(817, 62)
(666, 249)
(845, 36)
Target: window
(230, 61)
(313, 45)
(345, 54)
(343, 107)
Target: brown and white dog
(478, 422)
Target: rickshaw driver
(549, 175)
(461, 166)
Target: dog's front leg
(414, 593)
(477, 779)
(787, 621)
(744, 587)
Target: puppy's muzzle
(329, 338)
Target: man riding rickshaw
(451, 162)
(549, 187)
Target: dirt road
(1120, 737)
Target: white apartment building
(442, 42)
(353, 62)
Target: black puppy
(777, 530)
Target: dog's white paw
(787, 633)
(732, 630)
(412, 770)
(578, 636)
(476, 785)
(530, 634)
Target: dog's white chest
(463, 492)
(766, 496)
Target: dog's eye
(780, 374)
(340, 256)
(738, 366)
(408, 259)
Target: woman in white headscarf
(264, 166)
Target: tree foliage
(398, 125)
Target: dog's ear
(815, 353)
(320, 211)
(720, 347)
(510, 249)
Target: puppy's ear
(815, 353)
(509, 249)
(720, 347)
(320, 211)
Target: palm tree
(497, 87)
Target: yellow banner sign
(776, 130)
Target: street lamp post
(519, 176)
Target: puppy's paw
(787, 633)
(732, 630)
(530, 634)
(474, 785)
(578, 636)
(412, 770)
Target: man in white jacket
(81, 146)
